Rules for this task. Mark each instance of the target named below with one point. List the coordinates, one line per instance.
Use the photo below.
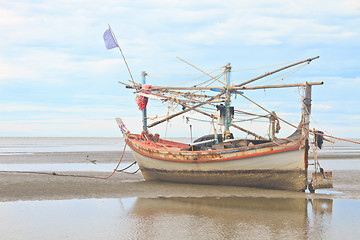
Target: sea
(177, 217)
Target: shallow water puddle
(181, 218)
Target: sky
(58, 80)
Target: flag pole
(132, 79)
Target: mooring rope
(82, 176)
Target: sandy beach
(21, 186)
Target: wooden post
(272, 126)
(191, 139)
(306, 111)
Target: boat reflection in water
(231, 218)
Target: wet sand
(47, 186)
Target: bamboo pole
(275, 71)
(179, 113)
(278, 86)
(230, 87)
(132, 79)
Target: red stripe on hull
(200, 158)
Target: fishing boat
(221, 158)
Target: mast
(144, 113)
(228, 100)
(306, 110)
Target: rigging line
(257, 121)
(329, 135)
(209, 83)
(242, 70)
(267, 110)
(242, 79)
(249, 119)
(180, 74)
(247, 113)
(253, 114)
(184, 81)
(342, 139)
(206, 85)
(201, 70)
(175, 74)
(275, 71)
(278, 78)
(167, 80)
(184, 111)
(235, 80)
(155, 78)
(286, 74)
(210, 80)
(199, 120)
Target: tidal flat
(48, 190)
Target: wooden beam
(230, 87)
(179, 113)
(248, 132)
(278, 86)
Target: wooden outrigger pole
(278, 70)
(277, 86)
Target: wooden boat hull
(275, 167)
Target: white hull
(269, 167)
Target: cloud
(53, 63)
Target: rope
(328, 135)
(267, 110)
(81, 176)
(342, 139)
(249, 119)
(179, 83)
(199, 120)
(121, 170)
(122, 155)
